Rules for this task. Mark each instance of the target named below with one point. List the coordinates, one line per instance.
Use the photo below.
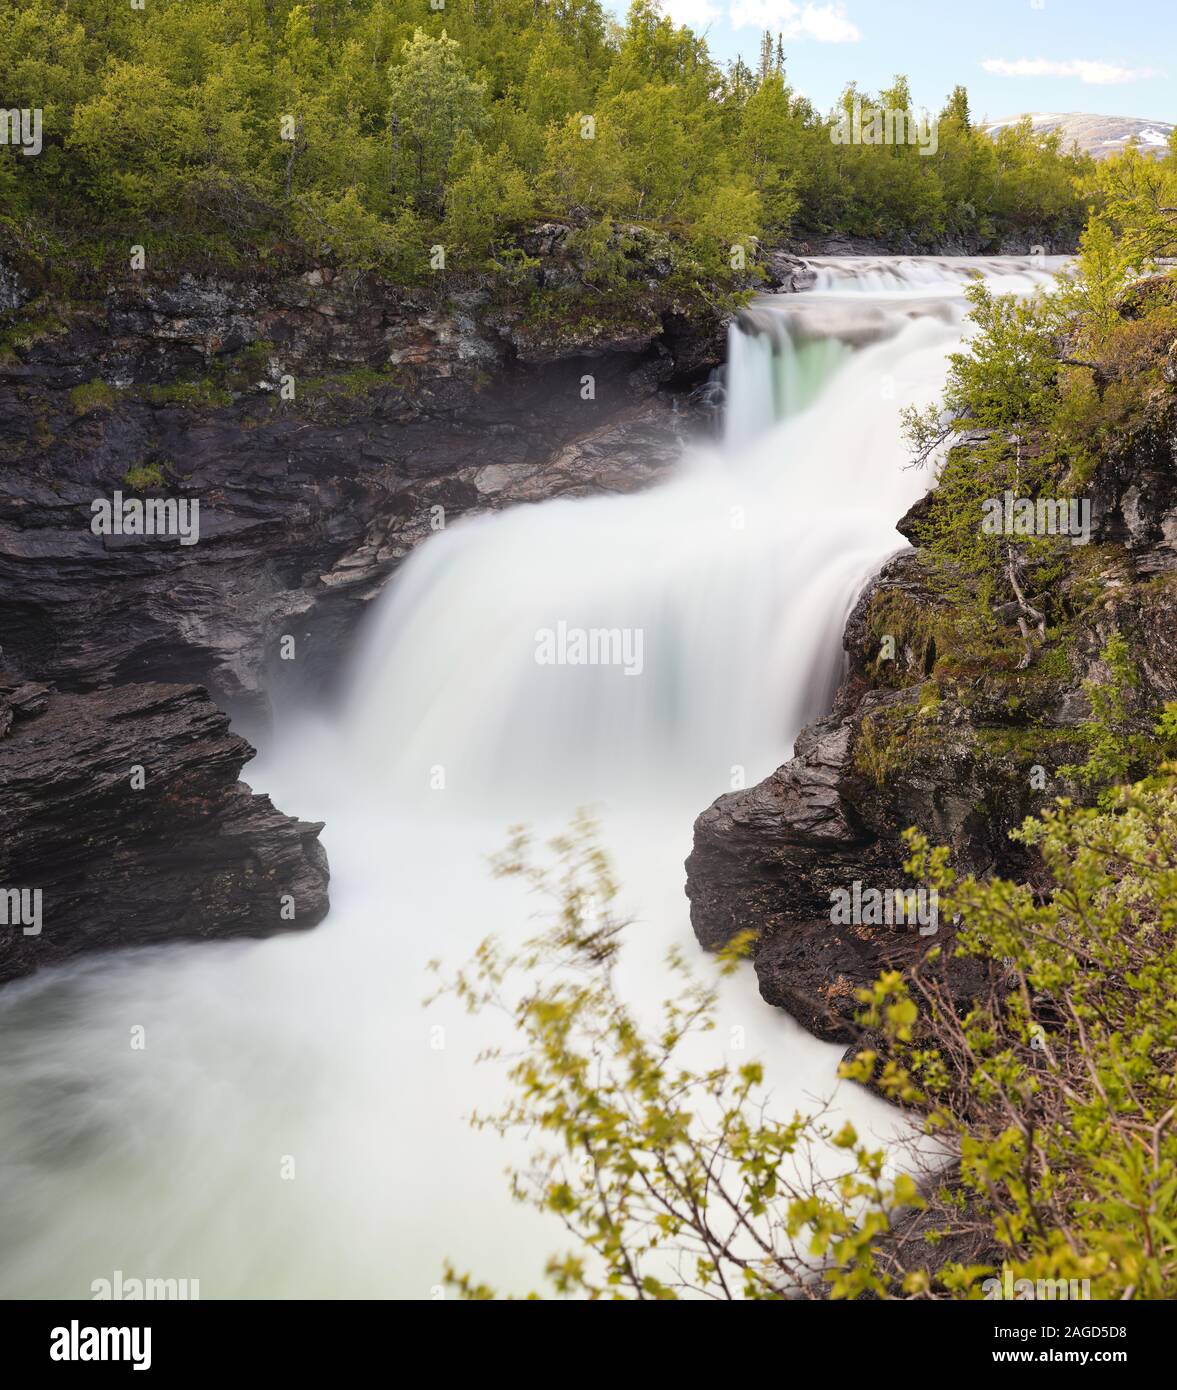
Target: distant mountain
(1100, 136)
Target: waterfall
(295, 1125)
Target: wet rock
(13, 293)
(786, 273)
(189, 853)
(897, 750)
(405, 415)
(773, 857)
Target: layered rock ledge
(325, 428)
(123, 810)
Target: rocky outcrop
(314, 428)
(1134, 488)
(786, 273)
(12, 292)
(123, 814)
(774, 856)
(930, 730)
(324, 429)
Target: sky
(1106, 57)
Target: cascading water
(295, 1125)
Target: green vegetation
(1049, 389)
(651, 1165)
(1005, 386)
(348, 386)
(31, 326)
(144, 476)
(882, 745)
(1045, 1148)
(1046, 1106)
(93, 395)
(916, 631)
(1116, 746)
(188, 393)
(1057, 1090)
(260, 135)
(254, 133)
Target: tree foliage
(228, 128)
(670, 1180)
(1043, 1139)
(1045, 388)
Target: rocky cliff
(122, 812)
(324, 429)
(318, 427)
(935, 728)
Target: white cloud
(696, 14)
(824, 23)
(1093, 73)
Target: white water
(167, 1162)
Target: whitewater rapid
(296, 1123)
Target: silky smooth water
(296, 1123)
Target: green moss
(92, 395)
(43, 435)
(980, 656)
(1118, 749)
(876, 750)
(930, 700)
(203, 392)
(1028, 743)
(238, 374)
(241, 371)
(143, 476)
(917, 630)
(358, 383)
(1053, 663)
(231, 375)
(353, 385)
(565, 318)
(28, 329)
(893, 736)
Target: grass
(143, 476)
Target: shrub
(1045, 1105)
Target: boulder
(123, 811)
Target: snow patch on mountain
(1100, 136)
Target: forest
(372, 131)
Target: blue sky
(1110, 57)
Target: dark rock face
(307, 505)
(772, 857)
(323, 429)
(966, 760)
(192, 853)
